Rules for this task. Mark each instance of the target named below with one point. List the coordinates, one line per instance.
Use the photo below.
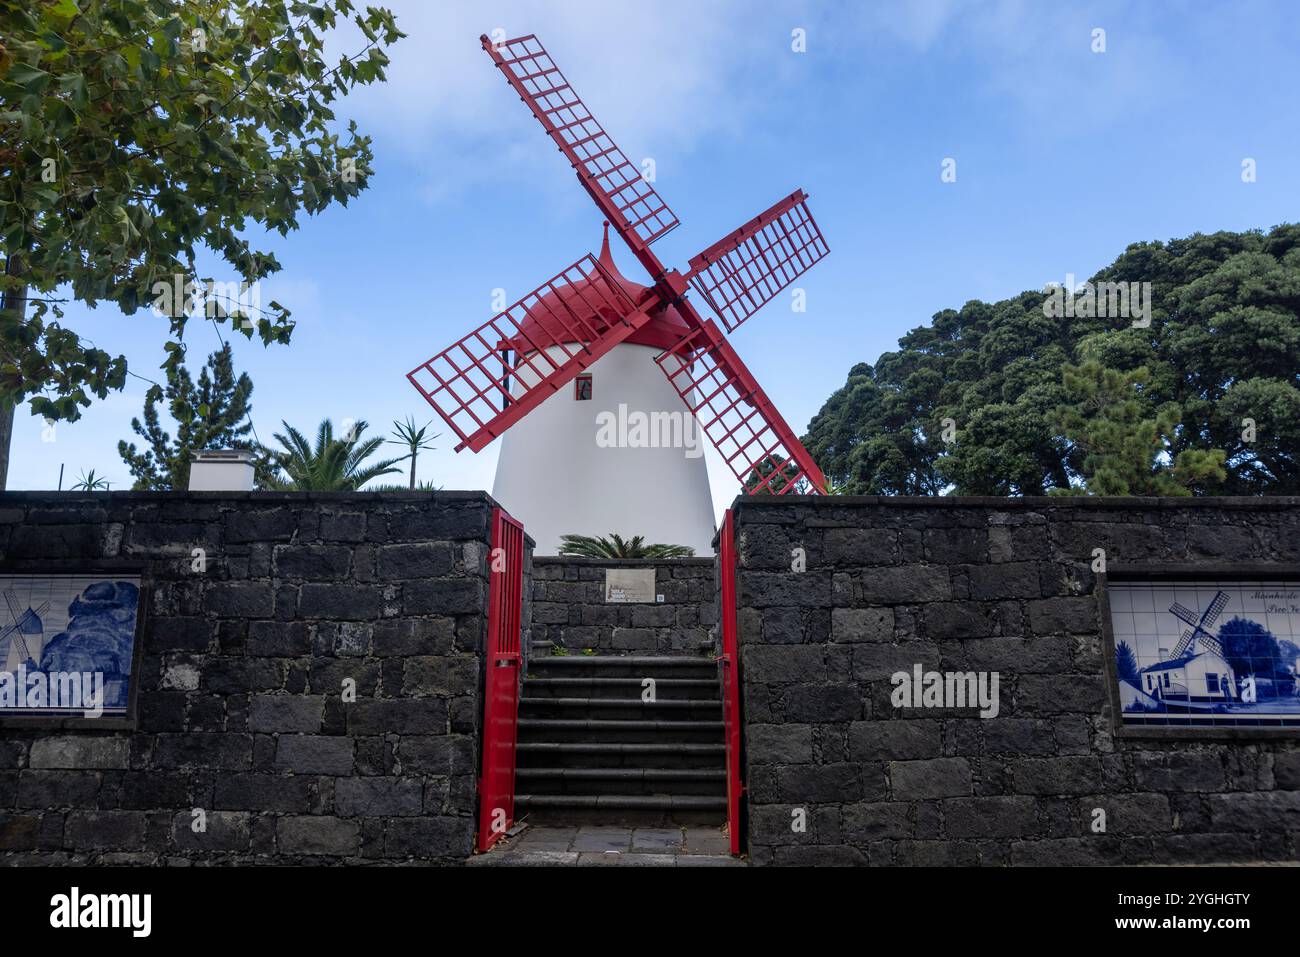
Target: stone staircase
(591, 751)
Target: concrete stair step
(655, 774)
(592, 751)
(625, 730)
(627, 781)
(629, 666)
(604, 754)
(668, 709)
(622, 808)
(567, 686)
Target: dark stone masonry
(253, 644)
(570, 611)
(241, 705)
(986, 585)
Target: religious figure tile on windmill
(602, 383)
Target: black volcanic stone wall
(975, 585)
(569, 608)
(241, 711)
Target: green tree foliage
(214, 414)
(615, 546)
(1122, 440)
(1206, 399)
(135, 132)
(332, 464)
(90, 482)
(403, 487)
(758, 481)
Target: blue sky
(1063, 157)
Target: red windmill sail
(744, 270)
(630, 202)
(534, 347)
(494, 376)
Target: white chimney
(222, 470)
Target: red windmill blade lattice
(745, 269)
(737, 416)
(492, 378)
(488, 380)
(629, 201)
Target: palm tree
(413, 439)
(333, 465)
(398, 487)
(585, 546)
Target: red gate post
(730, 661)
(496, 785)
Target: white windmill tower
(616, 451)
(616, 378)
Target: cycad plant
(615, 546)
(332, 465)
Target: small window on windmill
(582, 387)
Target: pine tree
(214, 414)
(1126, 444)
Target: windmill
(646, 346)
(26, 624)
(1199, 632)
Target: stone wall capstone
(1006, 585)
(241, 707)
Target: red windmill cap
(665, 328)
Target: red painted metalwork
(554, 332)
(565, 325)
(496, 784)
(737, 416)
(618, 188)
(742, 271)
(729, 661)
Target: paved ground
(624, 846)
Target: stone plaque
(623, 585)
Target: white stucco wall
(554, 476)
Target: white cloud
(658, 75)
(650, 69)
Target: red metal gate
(496, 785)
(730, 660)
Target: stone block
(378, 797)
(314, 754)
(933, 778)
(325, 836)
(285, 712)
(79, 751)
